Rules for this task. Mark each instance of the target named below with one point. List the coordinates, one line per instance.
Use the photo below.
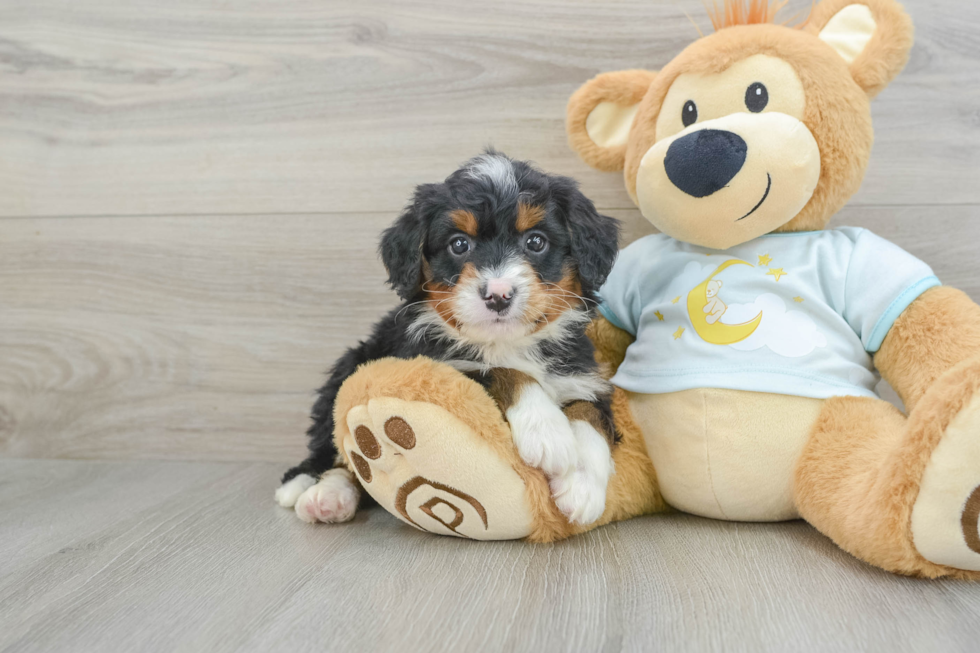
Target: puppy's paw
(288, 492)
(541, 432)
(331, 501)
(580, 493)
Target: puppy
(498, 268)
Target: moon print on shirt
(720, 315)
(705, 312)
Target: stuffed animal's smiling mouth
(764, 196)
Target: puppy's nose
(498, 303)
(704, 161)
(498, 294)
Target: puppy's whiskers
(569, 293)
(408, 306)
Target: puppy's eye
(756, 97)
(459, 246)
(536, 243)
(689, 114)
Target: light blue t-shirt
(795, 313)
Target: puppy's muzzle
(498, 295)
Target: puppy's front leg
(580, 493)
(541, 432)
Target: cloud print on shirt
(787, 333)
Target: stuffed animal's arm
(610, 343)
(937, 331)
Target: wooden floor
(151, 556)
(190, 197)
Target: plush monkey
(761, 407)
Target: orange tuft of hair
(745, 12)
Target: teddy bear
(761, 407)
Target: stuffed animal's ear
(600, 114)
(595, 237)
(873, 36)
(401, 251)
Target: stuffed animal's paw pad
(433, 471)
(946, 516)
(378, 454)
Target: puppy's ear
(401, 250)
(600, 114)
(595, 238)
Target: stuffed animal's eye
(689, 114)
(536, 243)
(756, 97)
(459, 246)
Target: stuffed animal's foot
(332, 500)
(433, 471)
(290, 491)
(580, 493)
(946, 512)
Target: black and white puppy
(498, 268)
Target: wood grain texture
(198, 558)
(205, 106)
(177, 337)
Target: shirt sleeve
(619, 300)
(882, 280)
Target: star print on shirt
(675, 299)
(776, 272)
(798, 300)
(660, 316)
(678, 333)
(764, 259)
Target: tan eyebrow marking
(464, 221)
(528, 216)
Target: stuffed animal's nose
(498, 294)
(704, 161)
